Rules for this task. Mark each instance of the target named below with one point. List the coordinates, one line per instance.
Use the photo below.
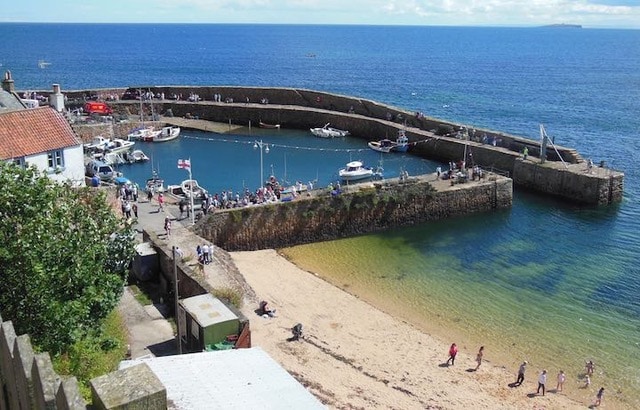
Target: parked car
(99, 168)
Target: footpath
(150, 333)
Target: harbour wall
(365, 208)
(431, 138)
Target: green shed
(205, 321)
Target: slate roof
(10, 101)
(33, 131)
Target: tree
(63, 257)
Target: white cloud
(595, 13)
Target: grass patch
(96, 355)
(141, 296)
(232, 296)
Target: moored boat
(186, 189)
(265, 125)
(168, 133)
(136, 155)
(384, 145)
(355, 171)
(402, 142)
(328, 132)
(118, 146)
(155, 183)
(143, 134)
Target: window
(55, 160)
(20, 162)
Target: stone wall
(365, 210)
(575, 182)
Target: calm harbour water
(545, 281)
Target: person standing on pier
(525, 153)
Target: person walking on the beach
(479, 357)
(542, 381)
(521, 370)
(599, 396)
(453, 351)
(587, 381)
(561, 378)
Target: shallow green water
(497, 280)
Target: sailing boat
(143, 133)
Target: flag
(184, 164)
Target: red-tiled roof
(33, 131)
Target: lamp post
(263, 147)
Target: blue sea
(546, 281)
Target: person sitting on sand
(266, 310)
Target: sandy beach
(354, 356)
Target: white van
(99, 168)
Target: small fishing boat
(168, 133)
(155, 183)
(328, 132)
(385, 145)
(265, 125)
(136, 155)
(118, 146)
(355, 171)
(143, 134)
(402, 142)
(187, 189)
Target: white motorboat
(155, 183)
(354, 171)
(143, 134)
(385, 145)
(98, 143)
(328, 132)
(118, 146)
(168, 133)
(186, 189)
(136, 155)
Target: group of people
(453, 352)
(542, 377)
(205, 254)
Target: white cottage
(44, 138)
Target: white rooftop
(207, 310)
(238, 378)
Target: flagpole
(193, 211)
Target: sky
(588, 13)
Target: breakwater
(363, 208)
(430, 138)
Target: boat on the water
(186, 189)
(143, 134)
(265, 125)
(168, 133)
(384, 145)
(328, 132)
(137, 155)
(118, 146)
(355, 171)
(155, 183)
(402, 142)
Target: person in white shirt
(542, 380)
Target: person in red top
(453, 351)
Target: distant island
(564, 25)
